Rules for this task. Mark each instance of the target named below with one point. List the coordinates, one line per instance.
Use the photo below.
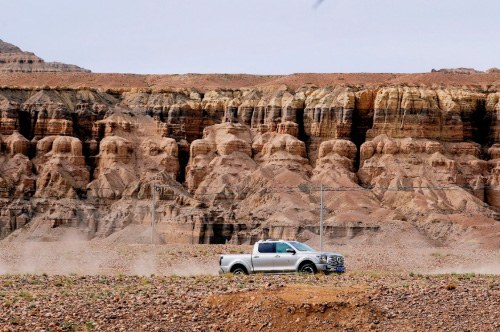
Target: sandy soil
(105, 258)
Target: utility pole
(321, 221)
(155, 187)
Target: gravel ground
(101, 286)
(350, 302)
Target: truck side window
(267, 247)
(282, 247)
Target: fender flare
(240, 262)
(313, 260)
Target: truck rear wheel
(307, 268)
(239, 270)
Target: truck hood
(322, 253)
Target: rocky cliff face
(13, 59)
(238, 165)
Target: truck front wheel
(238, 270)
(307, 268)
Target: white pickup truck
(282, 256)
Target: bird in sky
(318, 2)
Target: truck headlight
(323, 259)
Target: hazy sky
(257, 36)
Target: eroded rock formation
(60, 166)
(243, 164)
(440, 114)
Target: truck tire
(307, 268)
(239, 270)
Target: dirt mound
(305, 307)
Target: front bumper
(330, 268)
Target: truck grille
(336, 260)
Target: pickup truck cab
(282, 256)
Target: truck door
(284, 261)
(263, 260)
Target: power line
(276, 190)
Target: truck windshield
(301, 246)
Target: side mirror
(290, 250)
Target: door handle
(255, 256)
(277, 256)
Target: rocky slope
(13, 59)
(239, 164)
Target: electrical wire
(285, 189)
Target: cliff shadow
(362, 121)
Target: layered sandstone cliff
(13, 59)
(242, 164)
